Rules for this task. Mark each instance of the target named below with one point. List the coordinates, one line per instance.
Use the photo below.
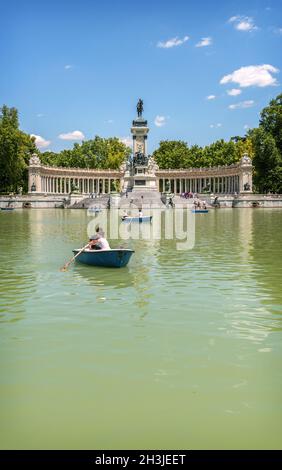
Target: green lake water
(179, 350)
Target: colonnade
(215, 184)
(64, 185)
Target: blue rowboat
(137, 219)
(116, 258)
(7, 208)
(200, 211)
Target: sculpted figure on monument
(152, 165)
(139, 107)
(140, 159)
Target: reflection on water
(103, 277)
(177, 339)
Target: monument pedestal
(143, 167)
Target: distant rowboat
(137, 219)
(115, 258)
(200, 211)
(7, 208)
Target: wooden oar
(64, 268)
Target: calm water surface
(178, 350)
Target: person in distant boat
(140, 214)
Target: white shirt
(104, 244)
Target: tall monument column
(142, 167)
(139, 131)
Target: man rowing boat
(98, 242)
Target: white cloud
(40, 141)
(68, 67)
(234, 92)
(126, 141)
(75, 135)
(277, 31)
(160, 121)
(39, 115)
(246, 126)
(215, 125)
(243, 23)
(204, 42)
(109, 121)
(233, 18)
(252, 75)
(172, 42)
(242, 104)
(211, 97)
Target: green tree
(16, 148)
(172, 154)
(267, 161)
(271, 120)
(242, 146)
(96, 153)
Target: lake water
(179, 350)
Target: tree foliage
(266, 161)
(177, 154)
(271, 120)
(16, 148)
(267, 144)
(98, 153)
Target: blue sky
(81, 66)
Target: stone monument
(34, 180)
(141, 174)
(245, 174)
